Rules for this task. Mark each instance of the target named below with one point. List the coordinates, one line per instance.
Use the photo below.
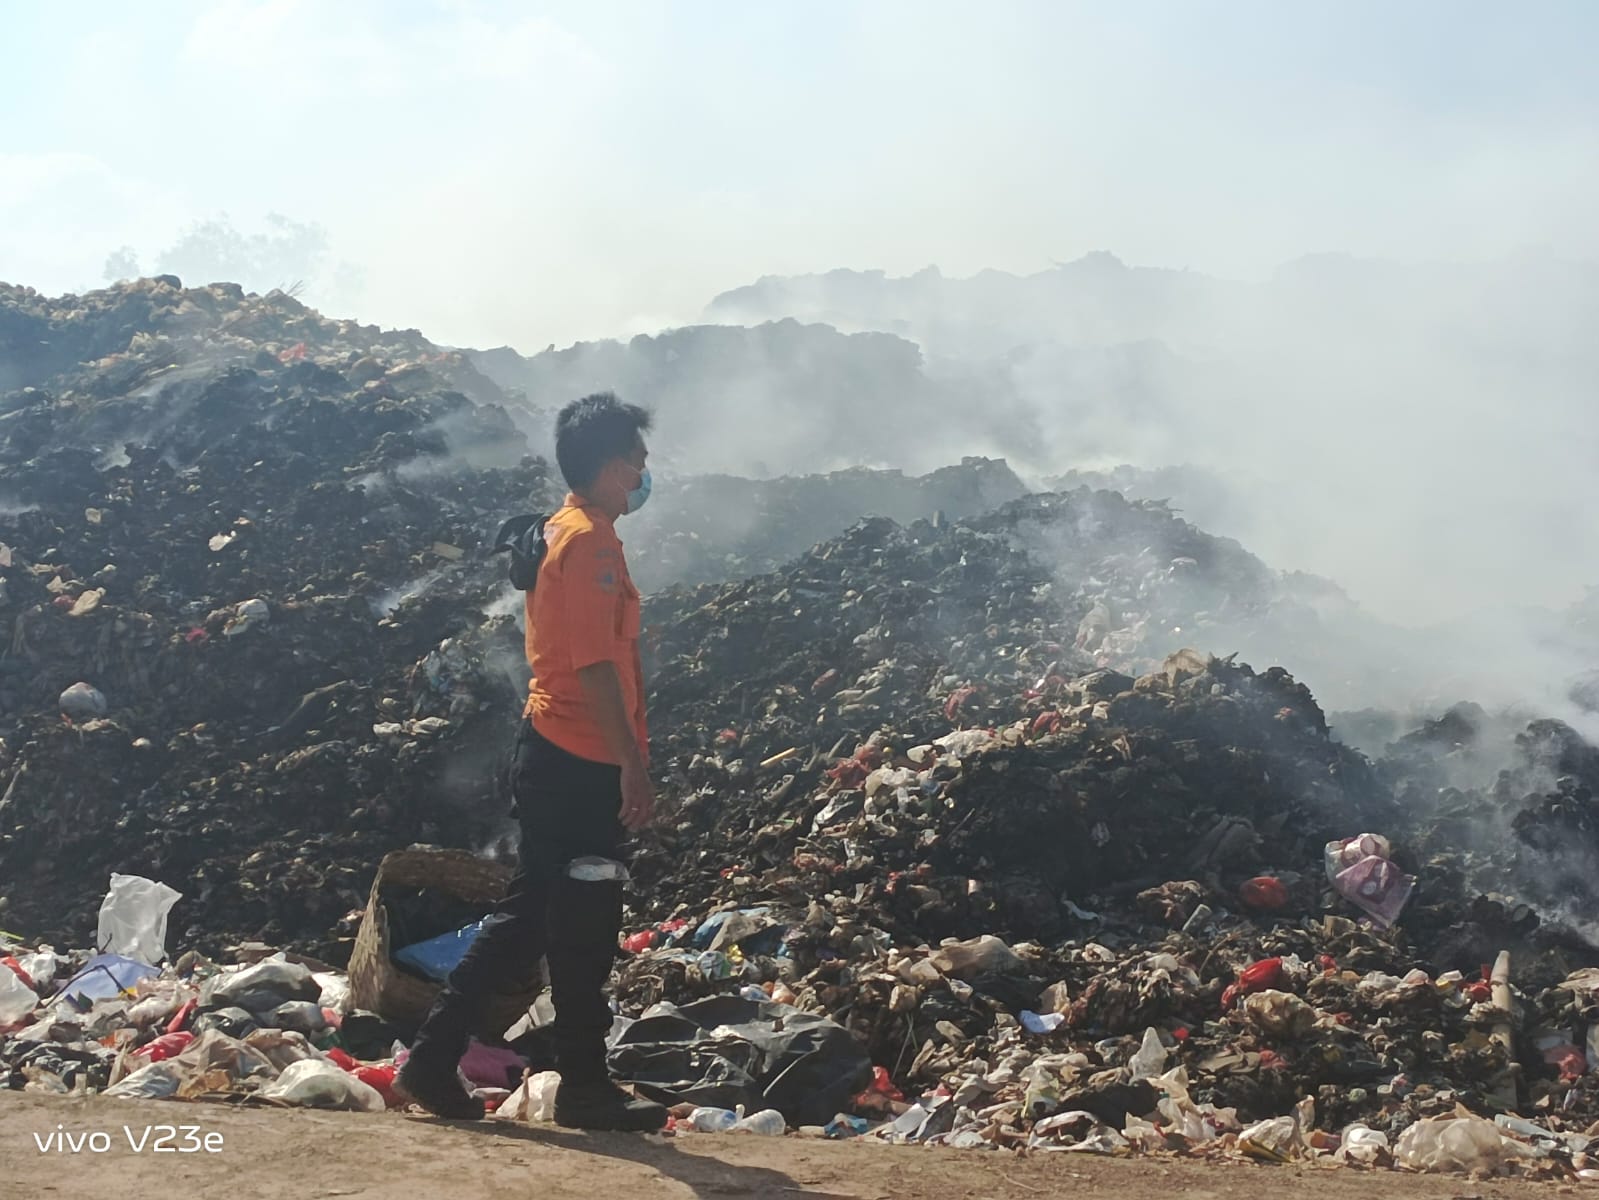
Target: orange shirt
(584, 610)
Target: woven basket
(379, 986)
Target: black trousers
(568, 807)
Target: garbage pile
(972, 803)
(251, 636)
(1012, 860)
(1130, 914)
(958, 622)
(716, 528)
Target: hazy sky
(537, 173)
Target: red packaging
(1264, 893)
(165, 1046)
(1256, 977)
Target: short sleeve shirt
(585, 610)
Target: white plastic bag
(1150, 1060)
(1362, 1144)
(133, 918)
(317, 1083)
(533, 1099)
(17, 999)
(157, 1081)
(41, 966)
(1460, 1143)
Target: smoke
(285, 254)
(1420, 434)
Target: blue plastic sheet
(438, 956)
(105, 975)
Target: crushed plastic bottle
(768, 1123)
(712, 1120)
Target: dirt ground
(278, 1154)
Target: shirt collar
(597, 514)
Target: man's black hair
(592, 431)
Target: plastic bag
(1362, 872)
(1362, 1144)
(17, 999)
(41, 966)
(532, 1100)
(317, 1083)
(281, 1047)
(83, 702)
(261, 988)
(214, 1050)
(438, 956)
(1150, 1061)
(104, 976)
(1256, 977)
(976, 956)
(1460, 1143)
(133, 918)
(158, 1081)
(1041, 1022)
(489, 1066)
(1273, 1140)
(1279, 1014)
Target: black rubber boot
(437, 1088)
(603, 1105)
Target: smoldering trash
(974, 833)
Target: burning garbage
(973, 841)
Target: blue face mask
(637, 497)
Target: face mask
(637, 497)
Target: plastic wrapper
(317, 1083)
(133, 918)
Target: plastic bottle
(768, 1123)
(712, 1120)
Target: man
(579, 776)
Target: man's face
(622, 475)
(638, 459)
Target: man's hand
(638, 797)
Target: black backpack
(523, 538)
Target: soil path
(298, 1154)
